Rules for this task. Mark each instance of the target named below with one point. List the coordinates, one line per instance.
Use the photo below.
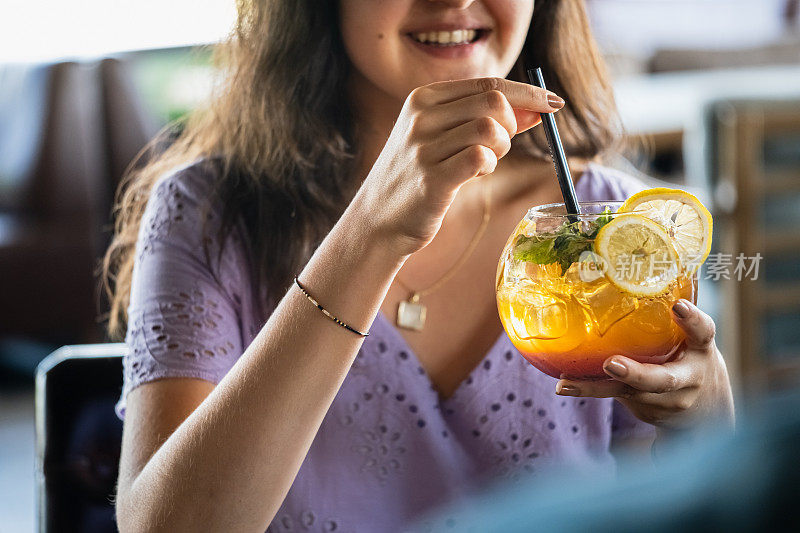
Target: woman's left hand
(674, 395)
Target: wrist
(350, 272)
(361, 221)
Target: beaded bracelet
(325, 311)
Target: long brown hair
(283, 139)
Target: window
(642, 26)
(42, 30)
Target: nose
(458, 4)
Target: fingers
(446, 118)
(672, 386)
(491, 104)
(473, 161)
(463, 127)
(622, 391)
(519, 95)
(637, 400)
(666, 394)
(698, 326)
(594, 389)
(526, 119)
(659, 379)
(483, 131)
(632, 378)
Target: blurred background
(708, 90)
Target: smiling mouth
(448, 38)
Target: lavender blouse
(389, 448)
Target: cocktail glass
(566, 317)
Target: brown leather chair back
(74, 130)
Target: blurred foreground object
(78, 438)
(742, 482)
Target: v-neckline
(580, 185)
(424, 371)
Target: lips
(449, 42)
(448, 37)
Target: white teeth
(446, 37)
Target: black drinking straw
(557, 152)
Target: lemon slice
(685, 218)
(639, 255)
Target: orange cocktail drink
(572, 292)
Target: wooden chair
(754, 161)
(67, 132)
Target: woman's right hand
(447, 133)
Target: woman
(343, 154)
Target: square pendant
(411, 315)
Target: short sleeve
(183, 320)
(625, 426)
(601, 183)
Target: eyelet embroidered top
(389, 448)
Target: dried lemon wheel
(638, 253)
(684, 217)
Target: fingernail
(568, 390)
(681, 308)
(617, 368)
(555, 101)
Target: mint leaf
(537, 249)
(564, 246)
(569, 246)
(603, 219)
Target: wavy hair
(284, 141)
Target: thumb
(526, 119)
(698, 326)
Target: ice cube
(513, 270)
(573, 275)
(546, 272)
(652, 316)
(536, 314)
(605, 303)
(589, 268)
